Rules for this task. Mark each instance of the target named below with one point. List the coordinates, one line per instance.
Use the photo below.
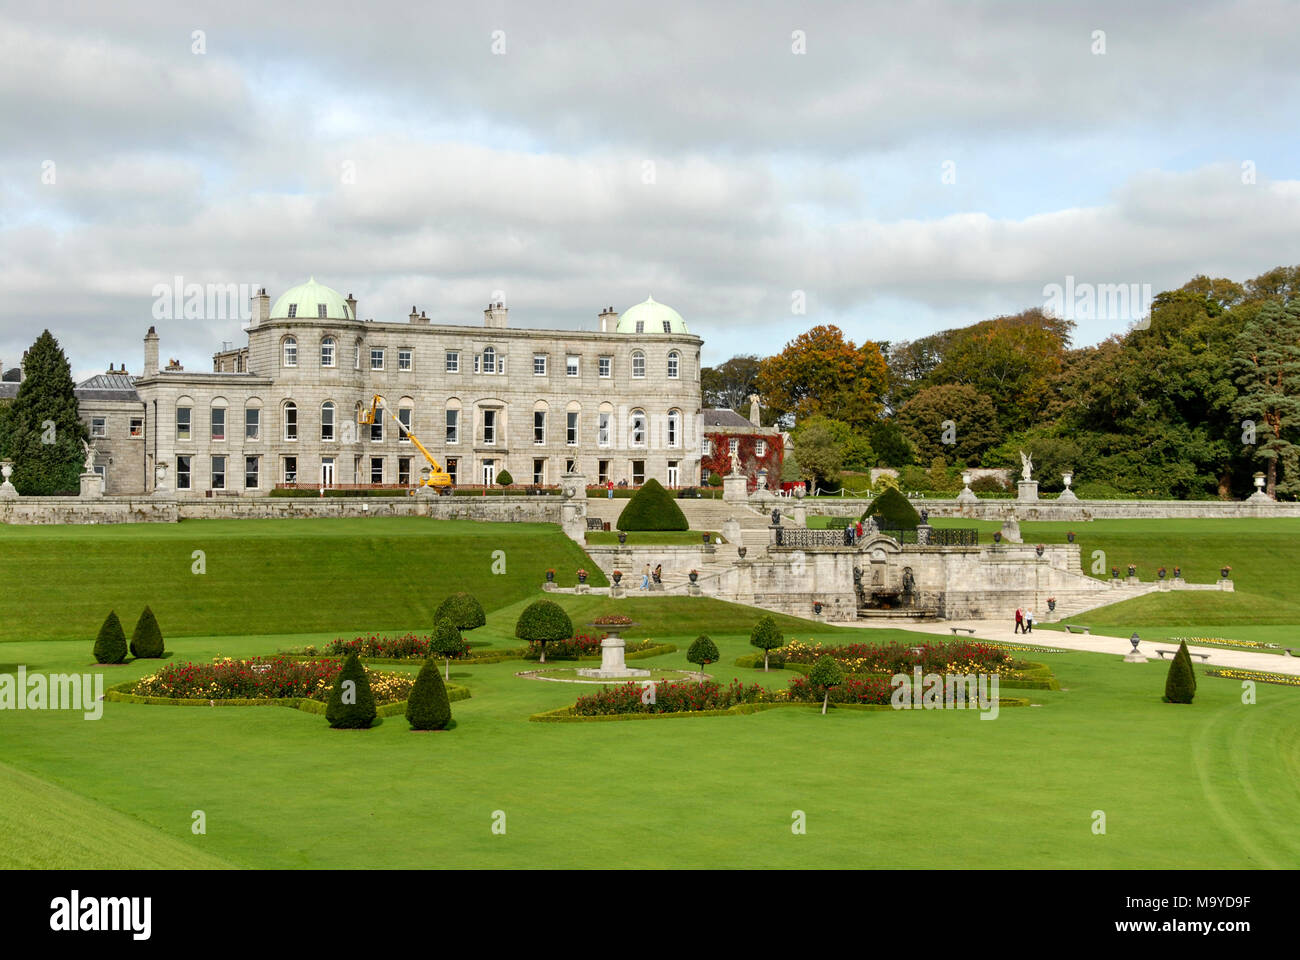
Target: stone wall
(1063, 510)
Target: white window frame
(489, 424)
(452, 427)
(539, 428)
(572, 366)
(380, 354)
(605, 367)
(289, 350)
(452, 360)
(571, 424)
(638, 362)
(405, 359)
(99, 428)
(219, 473)
(256, 424)
(290, 411)
(674, 365)
(329, 422)
(256, 473)
(638, 424)
(604, 422)
(539, 364)
(328, 352)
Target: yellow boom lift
(436, 476)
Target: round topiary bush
(652, 508)
(766, 636)
(893, 511)
(542, 622)
(715, 479)
(703, 652)
(427, 708)
(110, 645)
(146, 638)
(504, 478)
(352, 703)
(463, 610)
(446, 641)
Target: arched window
(291, 351)
(356, 357)
(638, 431)
(638, 365)
(327, 420)
(674, 428)
(674, 361)
(405, 416)
(327, 352)
(290, 420)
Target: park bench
(1203, 656)
(594, 523)
(1075, 628)
(970, 630)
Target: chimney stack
(261, 308)
(352, 307)
(496, 315)
(151, 353)
(608, 320)
(414, 317)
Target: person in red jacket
(1020, 620)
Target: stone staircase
(703, 515)
(1073, 607)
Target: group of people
(1024, 621)
(647, 575)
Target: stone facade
(620, 403)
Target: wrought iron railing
(934, 537)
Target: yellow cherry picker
(433, 476)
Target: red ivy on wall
(719, 461)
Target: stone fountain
(612, 664)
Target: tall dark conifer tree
(42, 432)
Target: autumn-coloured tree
(823, 372)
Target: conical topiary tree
(766, 637)
(542, 622)
(463, 610)
(110, 645)
(147, 638)
(892, 510)
(428, 708)
(504, 478)
(352, 703)
(652, 508)
(43, 431)
(1180, 682)
(703, 652)
(446, 641)
(825, 674)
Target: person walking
(858, 528)
(645, 578)
(1029, 621)
(659, 573)
(609, 489)
(1020, 620)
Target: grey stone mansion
(619, 403)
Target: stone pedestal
(694, 590)
(1134, 657)
(612, 664)
(731, 530)
(7, 489)
(735, 488)
(582, 588)
(800, 514)
(967, 496)
(923, 534)
(549, 585)
(1067, 494)
(617, 590)
(1259, 496)
(92, 486)
(1027, 491)
(573, 511)
(1011, 530)
(1224, 584)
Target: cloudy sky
(896, 168)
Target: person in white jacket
(1029, 621)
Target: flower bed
(957, 656)
(613, 620)
(263, 678)
(406, 647)
(1260, 676)
(854, 689)
(582, 646)
(1244, 644)
(672, 698)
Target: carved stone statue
(925, 515)
(776, 516)
(1026, 465)
(90, 456)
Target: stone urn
(1161, 573)
(1224, 571)
(706, 537)
(618, 576)
(1178, 573)
(997, 537)
(817, 607)
(741, 551)
(550, 576)
(694, 576)
(7, 490)
(1051, 604)
(622, 537)
(582, 576)
(1039, 549)
(1070, 537)
(612, 663)
(1132, 570)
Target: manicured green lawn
(1214, 785)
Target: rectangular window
(501, 364)
(539, 365)
(606, 367)
(452, 465)
(571, 429)
(137, 427)
(453, 361)
(404, 418)
(98, 427)
(638, 472)
(732, 447)
(760, 448)
(320, 311)
(672, 430)
(290, 422)
(638, 365)
(706, 447)
(539, 472)
(102, 472)
(404, 471)
(570, 366)
(327, 353)
(376, 358)
(377, 431)
(453, 426)
(218, 473)
(182, 473)
(376, 469)
(218, 423)
(602, 433)
(602, 471)
(290, 469)
(489, 426)
(252, 423)
(182, 423)
(293, 310)
(539, 426)
(250, 473)
(570, 465)
(476, 359)
(403, 359)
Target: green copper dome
(304, 301)
(651, 317)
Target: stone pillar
(923, 534)
(1027, 491)
(7, 490)
(92, 486)
(800, 514)
(731, 531)
(735, 488)
(1011, 530)
(160, 480)
(573, 511)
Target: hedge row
(121, 694)
(566, 714)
